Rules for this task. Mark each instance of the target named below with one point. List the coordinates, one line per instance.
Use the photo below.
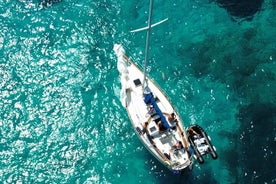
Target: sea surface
(61, 120)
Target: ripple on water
(46, 136)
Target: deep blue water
(61, 120)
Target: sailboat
(152, 115)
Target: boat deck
(159, 143)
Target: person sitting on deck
(171, 117)
(145, 125)
(177, 146)
(161, 127)
(151, 111)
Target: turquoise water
(61, 120)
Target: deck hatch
(137, 82)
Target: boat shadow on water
(164, 176)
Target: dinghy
(201, 143)
(151, 113)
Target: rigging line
(145, 83)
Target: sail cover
(149, 99)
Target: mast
(145, 83)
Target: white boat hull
(158, 143)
